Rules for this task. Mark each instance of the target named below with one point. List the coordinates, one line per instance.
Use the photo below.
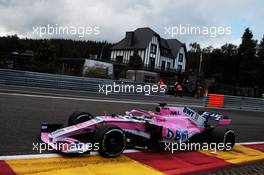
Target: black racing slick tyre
(223, 135)
(79, 117)
(111, 139)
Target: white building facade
(156, 52)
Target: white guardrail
(44, 80)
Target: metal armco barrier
(43, 80)
(236, 102)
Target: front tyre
(79, 117)
(111, 139)
(223, 135)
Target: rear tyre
(223, 135)
(111, 139)
(79, 117)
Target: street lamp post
(101, 53)
(200, 62)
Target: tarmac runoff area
(22, 114)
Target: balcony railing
(148, 67)
(158, 68)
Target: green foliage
(195, 47)
(221, 64)
(229, 49)
(193, 57)
(64, 47)
(56, 47)
(81, 49)
(135, 62)
(192, 62)
(248, 46)
(260, 55)
(230, 64)
(46, 52)
(260, 52)
(45, 58)
(248, 62)
(96, 73)
(11, 44)
(208, 49)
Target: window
(180, 57)
(168, 65)
(152, 63)
(153, 48)
(179, 67)
(165, 51)
(163, 65)
(119, 59)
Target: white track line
(29, 156)
(67, 90)
(53, 155)
(90, 99)
(124, 101)
(250, 143)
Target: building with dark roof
(19, 61)
(157, 53)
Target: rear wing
(221, 119)
(199, 120)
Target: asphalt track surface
(23, 109)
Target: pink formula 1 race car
(110, 135)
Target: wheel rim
(229, 137)
(114, 142)
(82, 118)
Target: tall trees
(260, 52)
(193, 57)
(248, 63)
(234, 65)
(229, 49)
(55, 48)
(45, 58)
(231, 67)
(195, 47)
(64, 47)
(11, 44)
(135, 63)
